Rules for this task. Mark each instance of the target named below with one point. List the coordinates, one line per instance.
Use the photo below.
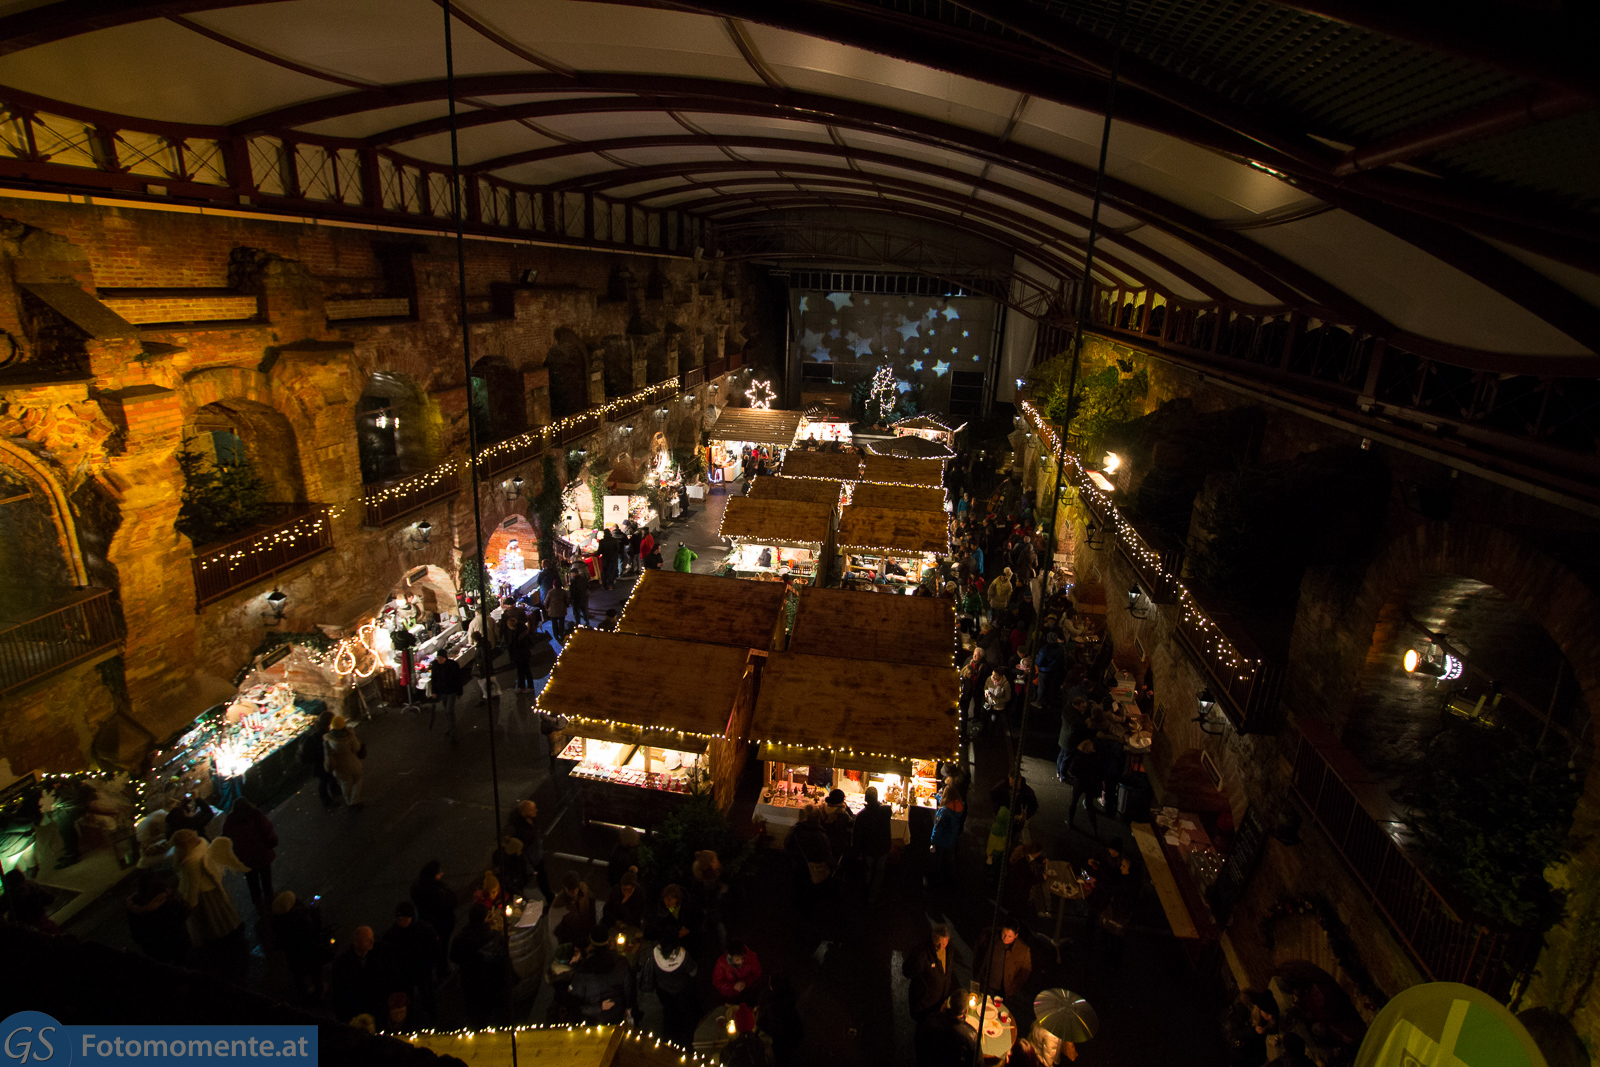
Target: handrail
(1446, 947)
(388, 501)
(76, 628)
(300, 532)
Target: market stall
(902, 470)
(888, 547)
(773, 539)
(736, 428)
(900, 497)
(910, 447)
(248, 748)
(840, 466)
(918, 631)
(929, 428)
(700, 607)
(512, 556)
(654, 722)
(827, 722)
(811, 490)
(578, 530)
(822, 426)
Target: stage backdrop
(941, 348)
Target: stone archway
(1568, 608)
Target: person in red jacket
(737, 974)
(255, 842)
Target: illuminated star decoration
(951, 315)
(907, 328)
(904, 387)
(941, 368)
(840, 300)
(761, 395)
(916, 364)
(862, 346)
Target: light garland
(603, 1030)
(413, 484)
(882, 396)
(1208, 636)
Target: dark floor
(428, 798)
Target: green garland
(1339, 939)
(546, 507)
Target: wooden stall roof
(700, 607)
(756, 425)
(896, 532)
(813, 490)
(898, 497)
(902, 470)
(777, 522)
(554, 1046)
(918, 630)
(922, 422)
(639, 686)
(891, 710)
(843, 466)
(910, 446)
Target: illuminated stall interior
(828, 722)
(705, 608)
(777, 538)
(737, 427)
(929, 428)
(653, 722)
(887, 547)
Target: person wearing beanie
(297, 930)
(684, 559)
(603, 984)
(1000, 592)
(837, 824)
(412, 949)
(342, 753)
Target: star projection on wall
(862, 347)
(907, 328)
(805, 304)
(941, 368)
(951, 315)
(761, 395)
(916, 364)
(840, 300)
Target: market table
(1063, 884)
(999, 1026)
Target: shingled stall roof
(915, 630)
(554, 1046)
(627, 687)
(756, 425)
(891, 531)
(843, 466)
(898, 497)
(910, 446)
(855, 713)
(902, 470)
(700, 607)
(812, 490)
(793, 523)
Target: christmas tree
(881, 401)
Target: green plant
(689, 461)
(314, 640)
(597, 491)
(667, 855)
(474, 575)
(546, 506)
(217, 499)
(1492, 814)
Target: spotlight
(1443, 668)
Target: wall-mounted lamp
(1211, 720)
(276, 602)
(420, 534)
(627, 429)
(1094, 535)
(661, 413)
(1135, 602)
(512, 488)
(580, 452)
(1441, 668)
(1111, 462)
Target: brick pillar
(536, 387)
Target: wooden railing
(388, 501)
(693, 378)
(580, 425)
(1327, 779)
(504, 455)
(716, 368)
(296, 533)
(56, 639)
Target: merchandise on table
(644, 766)
(897, 571)
(773, 559)
(791, 786)
(229, 740)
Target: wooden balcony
(388, 501)
(1245, 681)
(81, 626)
(1447, 946)
(503, 455)
(296, 533)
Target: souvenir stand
(839, 466)
(704, 608)
(773, 539)
(737, 427)
(929, 428)
(901, 470)
(890, 548)
(900, 497)
(829, 722)
(822, 426)
(576, 537)
(654, 722)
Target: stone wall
(291, 378)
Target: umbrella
(1066, 1015)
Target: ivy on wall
(546, 506)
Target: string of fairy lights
(575, 1030)
(1208, 635)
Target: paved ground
(430, 799)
